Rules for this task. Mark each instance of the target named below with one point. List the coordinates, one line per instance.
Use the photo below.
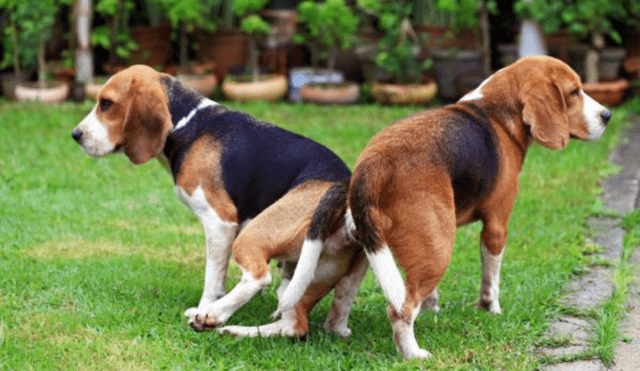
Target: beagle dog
(259, 191)
(423, 176)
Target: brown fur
(402, 191)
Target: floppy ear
(545, 112)
(147, 122)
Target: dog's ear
(545, 112)
(147, 122)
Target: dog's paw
(492, 307)
(341, 330)
(431, 305)
(202, 319)
(418, 353)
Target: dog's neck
(184, 103)
(184, 106)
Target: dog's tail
(326, 219)
(366, 223)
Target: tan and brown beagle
(259, 191)
(420, 178)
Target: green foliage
(34, 21)
(328, 25)
(118, 11)
(193, 13)
(580, 17)
(465, 12)
(399, 48)
(248, 11)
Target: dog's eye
(105, 104)
(575, 92)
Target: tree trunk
(84, 53)
(253, 58)
(184, 68)
(486, 39)
(42, 65)
(16, 53)
(593, 58)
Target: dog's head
(131, 115)
(554, 106)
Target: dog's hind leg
(344, 294)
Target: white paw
(239, 331)
(202, 319)
(342, 331)
(418, 354)
(493, 306)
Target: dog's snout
(77, 135)
(606, 116)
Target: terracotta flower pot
(404, 93)
(269, 88)
(203, 84)
(52, 93)
(610, 93)
(344, 93)
(94, 87)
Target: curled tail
(326, 219)
(367, 184)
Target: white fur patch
(219, 235)
(490, 290)
(593, 111)
(475, 94)
(406, 339)
(302, 276)
(204, 103)
(388, 275)
(95, 136)
(219, 311)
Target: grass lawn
(99, 259)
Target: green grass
(99, 259)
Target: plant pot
(78, 91)
(268, 88)
(9, 82)
(610, 93)
(608, 66)
(54, 92)
(449, 64)
(225, 49)
(154, 45)
(610, 62)
(92, 88)
(508, 54)
(404, 93)
(340, 93)
(298, 77)
(203, 84)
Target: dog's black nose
(77, 135)
(606, 116)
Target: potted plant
(115, 37)
(461, 66)
(398, 56)
(185, 16)
(11, 53)
(327, 28)
(593, 19)
(253, 85)
(151, 32)
(35, 20)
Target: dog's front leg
(219, 238)
(492, 247)
(219, 235)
